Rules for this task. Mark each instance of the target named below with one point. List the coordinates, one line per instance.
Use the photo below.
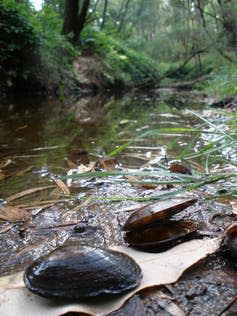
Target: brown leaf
(62, 186)
(166, 303)
(106, 163)
(234, 207)
(179, 168)
(2, 176)
(80, 169)
(157, 268)
(28, 192)
(13, 214)
(21, 128)
(71, 164)
(5, 163)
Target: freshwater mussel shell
(78, 272)
(229, 243)
(161, 236)
(156, 212)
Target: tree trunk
(74, 19)
(82, 17)
(123, 16)
(104, 14)
(228, 9)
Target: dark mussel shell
(156, 212)
(230, 240)
(76, 272)
(161, 235)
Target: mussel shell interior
(161, 234)
(82, 272)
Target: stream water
(42, 134)
(40, 139)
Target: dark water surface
(42, 134)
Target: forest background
(118, 43)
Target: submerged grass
(220, 149)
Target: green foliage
(33, 53)
(223, 82)
(122, 64)
(56, 53)
(18, 45)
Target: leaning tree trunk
(74, 18)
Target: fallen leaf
(21, 127)
(40, 204)
(13, 214)
(169, 306)
(12, 281)
(234, 207)
(5, 163)
(2, 176)
(27, 192)
(157, 268)
(71, 164)
(179, 168)
(80, 169)
(62, 186)
(106, 163)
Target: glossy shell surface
(82, 272)
(156, 212)
(230, 240)
(161, 234)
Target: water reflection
(43, 134)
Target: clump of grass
(212, 153)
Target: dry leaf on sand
(158, 268)
(28, 192)
(62, 186)
(13, 214)
(234, 207)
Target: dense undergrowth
(35, 57)
(122, 65)
(223, 82)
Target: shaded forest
(124, 43)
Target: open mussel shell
(161, 235)
(77, 272)
(156, 212)
(230, 240)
